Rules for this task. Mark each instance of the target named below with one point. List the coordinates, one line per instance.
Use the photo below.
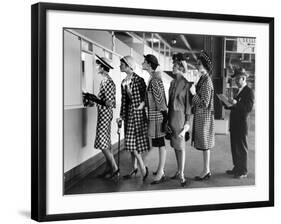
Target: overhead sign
(246, 45)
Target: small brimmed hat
(129, 61)
(205, 60)
(104, 61)
(150, 58)
(239, 72)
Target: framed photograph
(139, 111)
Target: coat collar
(244, 88)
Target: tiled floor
(220, 161)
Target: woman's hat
(205, 60)
(104, 61)
(150, 58)
(179, 57)
(129, 61)
(239, 72)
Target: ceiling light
(153, 40)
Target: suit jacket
(180, 101)
(240, 111)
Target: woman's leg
(181, 164)
(110, 159)
(206, 162)
(140, 162)
(107, 163)
(177, 159)
(161, 163)
(181, 154)
(134, 161)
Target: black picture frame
(39, 108)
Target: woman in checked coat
(203, 136)
(134, 117)
(157, 113)
(105, 104)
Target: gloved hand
(193, 89)
(86, 100)
(184, 130)
(119, 122)
(95, 99)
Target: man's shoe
(241, 176)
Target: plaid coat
(135, 121)
(105, 114)
(203, 135)
(155, 102)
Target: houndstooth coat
(155, 102)
(203, 135)
(105, 114)
(135, 121)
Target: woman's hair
(103, 66)
(153, 66)
(178, 59)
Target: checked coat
(203, 135)
(155, 102)
(135, 121)
(105, 114)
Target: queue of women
(148, 119)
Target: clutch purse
(169, 134)
(186, 136)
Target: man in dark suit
(242, 105)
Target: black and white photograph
(142, 111)
(157, 111)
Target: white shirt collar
(241, 88)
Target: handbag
(169, 134)
(187, 136)
(168, 131)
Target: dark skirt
(158, 142)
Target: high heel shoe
(162, 179)
(128, 176)
(206, 177)
(176, 176)
(183, 181)
(115, 175)
(146, 174)
(155, 172)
